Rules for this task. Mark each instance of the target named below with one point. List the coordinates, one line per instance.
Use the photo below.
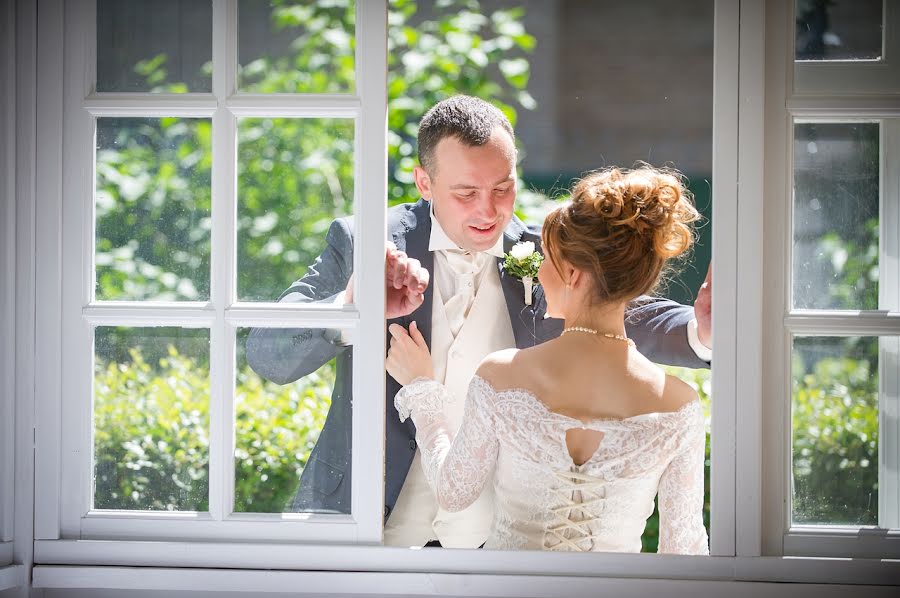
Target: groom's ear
(423, 182)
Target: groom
(443, 272)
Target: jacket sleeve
(659, 330)
(284, 355)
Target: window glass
(152, 209)
(835, 429)
(154, 46)
(276, 428)
(839, 29)
(296, 46)
(294, 177)
(836, 215)
(581, 92)
(151, 419)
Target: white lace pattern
(543, 500)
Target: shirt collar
(439, 240)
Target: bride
(580, 433)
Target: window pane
(839, 29)
(154, 45)
(296, 46)
(294, 177)
(835, 430)
(277, 426)
(151, 419)
(153, 209)
(836, 215)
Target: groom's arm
(284, 355)
(659, 328)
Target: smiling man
(443, 275)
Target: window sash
(67, 513)
(791, 99)
(863, 76)
(7, 278)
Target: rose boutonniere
(523, 262)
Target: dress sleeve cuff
(702, 351)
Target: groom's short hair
(469, 119)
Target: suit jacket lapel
(412, 235)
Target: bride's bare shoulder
(504, 369)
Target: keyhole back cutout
(583, 444)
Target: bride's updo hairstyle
(621, 227)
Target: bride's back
(588, 377)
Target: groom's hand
(405, 282)
(703, 310)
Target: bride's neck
(606, 317)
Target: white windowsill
(421, 584)
(104, 555)
(11, 577)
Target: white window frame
(7, 279)
(66, 270)
(835, 91)
(740, 450)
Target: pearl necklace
(618, 337)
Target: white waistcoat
(416, 519)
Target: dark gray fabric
(658, 327)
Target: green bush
(151, 435)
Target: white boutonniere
(523, 262)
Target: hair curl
(622, 226)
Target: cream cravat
(458, 298)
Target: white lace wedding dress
(542, 499)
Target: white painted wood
(26, 110)
(750, 244)
(848, 76)
(303, 105)
(221, 267)
(370, 203)
(846, 323)
(429, 560)
(776, 275)
(76, 234)
(7, 275)
(865, 543)
(421, 584)
(855, 105)
(188, 105)
(12, 577)
(191, 527)
(889, 348)
(726, 60)
(48, 266)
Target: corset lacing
(572, 532)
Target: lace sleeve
(456, 468)
(681, 529)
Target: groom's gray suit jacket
(658, 327)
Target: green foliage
(151, 435)
(276, 428)
(835, 440)
(153, 208)
(852, 263)
(453, 52)
(294, 175)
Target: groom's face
(473, 189)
